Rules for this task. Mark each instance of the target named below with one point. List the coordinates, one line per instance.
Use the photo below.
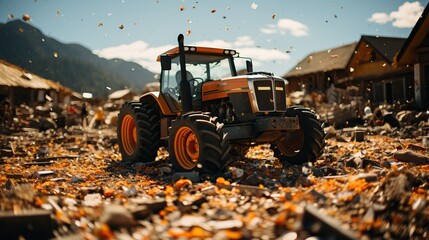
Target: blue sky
(275, 33)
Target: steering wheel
(195, 83)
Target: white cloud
(138, 52)
(244, 41)
(285, 26)
(380, 18)
(405, 17)
(214, 43)
(145, 55)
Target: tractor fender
(156, 99)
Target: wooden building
(415, 54)
(371, 70)
(318, 70)
(21, 87)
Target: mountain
(72, 65)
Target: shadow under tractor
(205, 112)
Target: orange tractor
(205, 112)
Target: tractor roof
(199, 50)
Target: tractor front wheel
(305, 144)
(196, 142)
(138, 132)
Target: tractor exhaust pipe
(185, 86)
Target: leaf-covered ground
(73, 184)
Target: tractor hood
(266, 92)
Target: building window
(377, 92)
(373, 56)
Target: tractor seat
(179, 76)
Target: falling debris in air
(182, 8)
(100, 24)
(352, 69)
(254, 6)
(122, 26)
(274, 16)
(188, 32)
(26, 17)
(108, 88)
(213, 10)
(55, 54)
(11, 17)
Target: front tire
(305, 144)
(196, 142)
(138, 132)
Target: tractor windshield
(200, 68)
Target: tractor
(205, 113)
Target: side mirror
(165, 62)
(249, 66)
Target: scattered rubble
(370, 183)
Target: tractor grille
(280, 96)
(264, 93)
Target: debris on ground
(370, 183)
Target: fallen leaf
(26, 17)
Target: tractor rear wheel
(197, 142)
(305, 144)
(138, 132)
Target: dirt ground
(72, 184)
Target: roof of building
(407, 55)
(385, 46)
(324, 61)
(14, 76)
(119, 94)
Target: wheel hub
(129, 134)
(186, 148)
(291, 145)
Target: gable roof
(408, 53)
(385, 46)
(323, 61)
(119, 94)
(14, 76)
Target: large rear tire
(305, 144)
(197, 143)
(138, 132)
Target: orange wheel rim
(293, 144)
(186, 148)
(129, 134)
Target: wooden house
(371, 70)
(415, 54)
(317, 71)
(21, 87)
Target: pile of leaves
(73, 183)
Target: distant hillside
(72, 65)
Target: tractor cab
(203, 64)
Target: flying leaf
(26, 17)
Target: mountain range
(72, 65)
